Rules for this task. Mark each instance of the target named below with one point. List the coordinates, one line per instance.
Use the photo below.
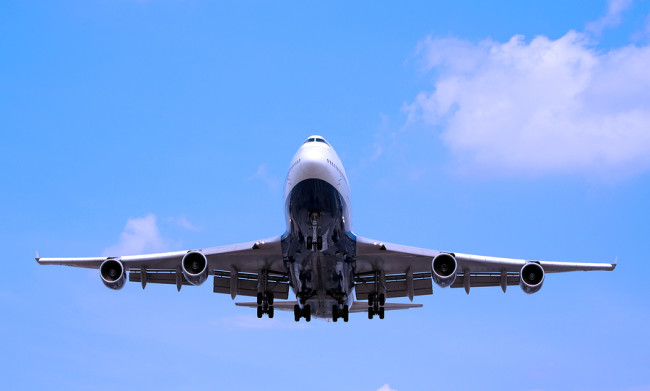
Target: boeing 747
(319, 257)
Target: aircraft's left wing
(406, 271)
(236, 267)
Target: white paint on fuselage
(317, 160)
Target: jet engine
(112, 273)
(443, 269)
(195, 267)
(531, 277)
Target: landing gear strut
(304, 312)
(264, 297)
(376, 300)
(314, 239)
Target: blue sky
(517, 129)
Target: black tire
(371, 299)
(269, 298)
(381, 313)
(319, 243)
(335, 313)
(307, 313)
(259, 298)
(310, 243)
(260, 311)
(382, 299)
(370, 313)
(270, 312)
(346, 313)
(296, 312)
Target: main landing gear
(343, 312)
(304, 312)
(376, 305)
(265, 304)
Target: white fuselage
(318, 247)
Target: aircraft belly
(321, 278)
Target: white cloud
(612, 18)
(386, 387)
(539, 107)
(140, 235)
(183, 222)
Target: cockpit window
(317, 139)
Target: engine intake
(112, 273)
(531, 277)
(195, 267)
(443, 269)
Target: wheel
(310, 243)
(370, 313)
(259, 298)
(270, 312)
(371, 299)
(335, 313)
(269, 298)
(382, 299)
(381, 313)
(307, 310)
(260, 311)
(319, 243)
(346, 313)
(296, 312)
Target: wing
(236, 267)
(406, 271)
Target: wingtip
(38, 258)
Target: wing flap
(396, 285)
(478, 280)
(247, 283)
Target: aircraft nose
(312, 165)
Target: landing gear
(314, 239)
(343, 312)
(376, 305)
(264, 298)
(265, 304)
(304, 312)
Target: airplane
(319, 257)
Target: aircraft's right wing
(406, 271)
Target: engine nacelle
(443, 269)
(195, 267)
(112, 273)
(531, 277)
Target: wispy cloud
(182, 222)
(611, 19)
(386, 387)
(263, 175)
(140, 235)
(540, 107)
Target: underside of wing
(402, 271)
(237, 269)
